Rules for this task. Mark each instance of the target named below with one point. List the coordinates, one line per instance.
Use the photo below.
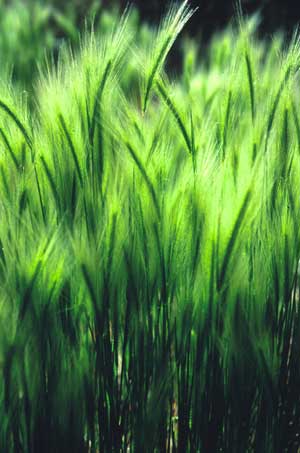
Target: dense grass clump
(150, 247)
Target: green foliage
(149, 245)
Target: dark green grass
(149, 248)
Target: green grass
(149, 246)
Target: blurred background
(213, 15)
(31, 29)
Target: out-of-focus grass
(149, 247)
(33, 31)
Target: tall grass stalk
(147, 304)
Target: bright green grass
(149, 248)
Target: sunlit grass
(149, 247)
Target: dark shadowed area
(215, 14)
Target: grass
(149, 246)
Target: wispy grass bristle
(149, 241)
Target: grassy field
(149, 241)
